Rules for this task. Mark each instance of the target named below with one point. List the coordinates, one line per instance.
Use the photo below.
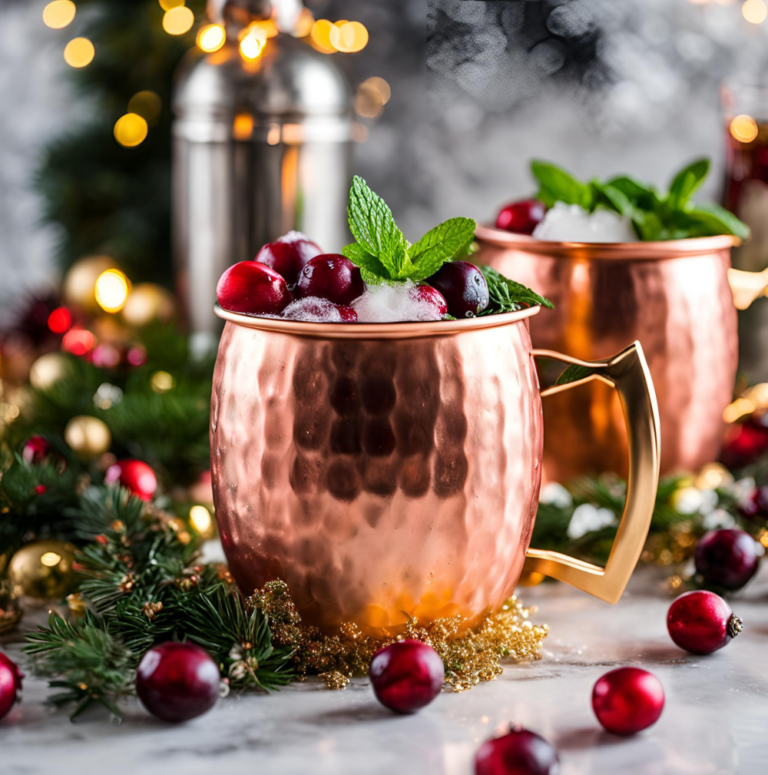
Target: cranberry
(463, 287)
(288, 255)
(519, 752)
(521, 217)
(333, 277)
(10, 684)
(177, 681)
(135, 475)
(756, 505)
(348, 315)
(727, 558)
(628, 700)
(252, 288)
(428, 295)
(36, 449)
(406, 675)
(702, 622)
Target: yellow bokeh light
(321, 36)
(59, 14)
(252, 42)
(146, 104)
(371, 97)
(50, 559)
(754, 11)
(201, 520)
(269, 27)
(349, 38)
(111, 290)
(211, 38)
(79, 52)
(178, 20)
(744, 128)
(242, 128)
(304, 22)
(379, 85)
(738, 409)
(167, 5)
(131, 130)
(162, 382)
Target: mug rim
(647, 251)
(403, 330)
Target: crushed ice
(393, 304)
(571, 223)
(312, 310)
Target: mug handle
(628, 373)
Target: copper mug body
(674, 297)
(387, 471)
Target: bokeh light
(201, 520)
(59, 14)
(78, 341)
(211, 38)
(252, 42)
(268, 25)
(371, 97)
(754, 11)
(112, 290)
(304, 22)
(50, 559)
(744, 128)
(162, 382)
(79, 52)
(178, 20)
(242, 128)
(167, 5)
(349, 37)
(131, 130)
(146, 104)
(320, 37)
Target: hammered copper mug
(387, 471)
(678, 298)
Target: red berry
(348, 315)
(727, 558)
(406, 675)
(333, 277)
(756, 505)
(36, 450)
(702, 622)
(628, 700)
(744, 444)
(463, 287)
(177, 681)
(10, 684)
(429, 295)
(288, 255)
(135, 475)
(521, 217)
(252, 288)
(41, 489)
(519, 752)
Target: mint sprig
(384, 254)
(505, 295)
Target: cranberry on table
(426, 294)
(406, 675)
(463, 287)
(727, 558)
(10, 684)
(288, 255)
(333, 277)
(519, 752)
(177, 681)
(628, 700)
(521, 217)
(134, 475)
(702, 622)
(252, 288)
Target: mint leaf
(506, 295)
(443, 243)
(556, 185)
(687, 182)
(713, 220)
(575, 372)
(368, 263)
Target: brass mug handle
(628, 373)
(747, 286)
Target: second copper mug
(678, 298)
(388, 471)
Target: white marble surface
(715, 721)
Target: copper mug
(678, 298)
(387, 471)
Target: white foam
(571, 223)
(312, 310)
(393, 304)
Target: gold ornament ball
(148, 302)
(88, 436)
(47, 370)
(43, 570)
(80, 281)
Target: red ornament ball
(252, 288)
(406, 675)
(332, 277)
(177, 681)
(134, 475)
(755, 507)
(35, 450)
(702, 622)
(744, 444)
(628, 700)
(289, 255)
(521, 217)
(10, 684)
(519, 752)
(727, 558)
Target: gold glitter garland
(469, 657)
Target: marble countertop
(715, 721)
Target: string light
(349, 37)
(320, 37)
(162, 382)
(78, 341)
(744, 128)
(268, 25)
(131, 130)
(242, 128)
(304, 22)
(60, 320)
(211, 38)
(79, 52)
(147, 105)
(178, 20)
(59, 14)
(111, 290)
(168, 5)
(371, 97)
(252, 42)
(754, 11)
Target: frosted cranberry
(135, 475)
(428, 295)
(35, 450)
(702, 622)
(252, 288)
(463, 287)
(288, 255)
(628, 700)
(406, 675)
(727, 558)
(10, 684)
(333, 277)
(519, 752)
(177, 681)
(521, 217)
(348, 315)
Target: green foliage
(506, 295)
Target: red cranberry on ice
(426, 294)
(288, 255)
(333, 277)
(521, 217)
(252, 288)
